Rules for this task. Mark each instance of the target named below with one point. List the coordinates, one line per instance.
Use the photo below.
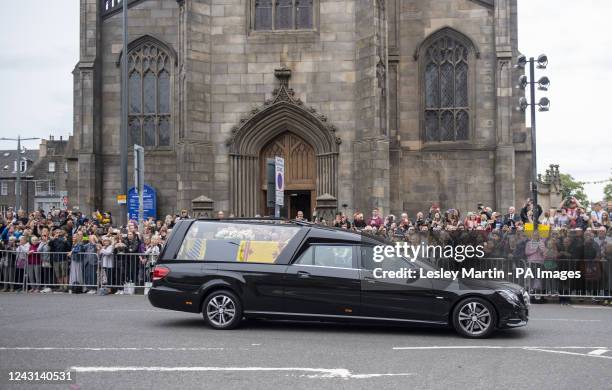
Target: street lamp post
(18, 168)
(123, 134)
(543, 105)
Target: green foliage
(608, 192)
(571, 187)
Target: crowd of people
(567, 238)
(63, 248)
(566, 232)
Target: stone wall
(456, 179)
(242, 77)
(224, 71)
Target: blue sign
(149, 201)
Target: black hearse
(234, 269)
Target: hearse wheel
(222, 310)
(474, 318)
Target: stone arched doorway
(281, 122)
(300, 174)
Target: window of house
(149, 96)
(39, 187)
(283, 14)
(51, 166)
(445, 79)
(24, 166)
(3, 188)
(51, 187)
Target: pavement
(122, 342)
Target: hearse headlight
(526, 298)
(509, 296)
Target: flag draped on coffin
(224, 250)
(258, 251)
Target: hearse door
(407, 299)
(323, 280)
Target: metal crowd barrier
(542, 280)
(131, 273)
(75, 272)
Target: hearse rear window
(226, 241)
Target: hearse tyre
(474, 318)
(222, 310)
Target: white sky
(39, 45)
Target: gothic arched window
(446, 62)
(283, 14)
(149, 96)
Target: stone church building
(373, 103)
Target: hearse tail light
(160, 272)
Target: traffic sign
(279, 180)
(149, 203)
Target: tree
(608, 191)
(571, 187)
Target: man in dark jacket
(59, 248)
(537, 212)
(511, 218)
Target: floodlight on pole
(543, 105)
(543, 83)
(542, 61)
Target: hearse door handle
(303, 274)
(369, 279)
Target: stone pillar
(202, 207)
(326, 207)
(549, 188)
(327, 170)
(505, 166)
(197, 169)
(243, 185)
(86, 125)
(371, 147)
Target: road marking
(591, 307)
(341, 373)
(562, 319)
(488, 347)
(569, 353)
(598, 352)
(111, 349)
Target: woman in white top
(107, 257)
(548, 218)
